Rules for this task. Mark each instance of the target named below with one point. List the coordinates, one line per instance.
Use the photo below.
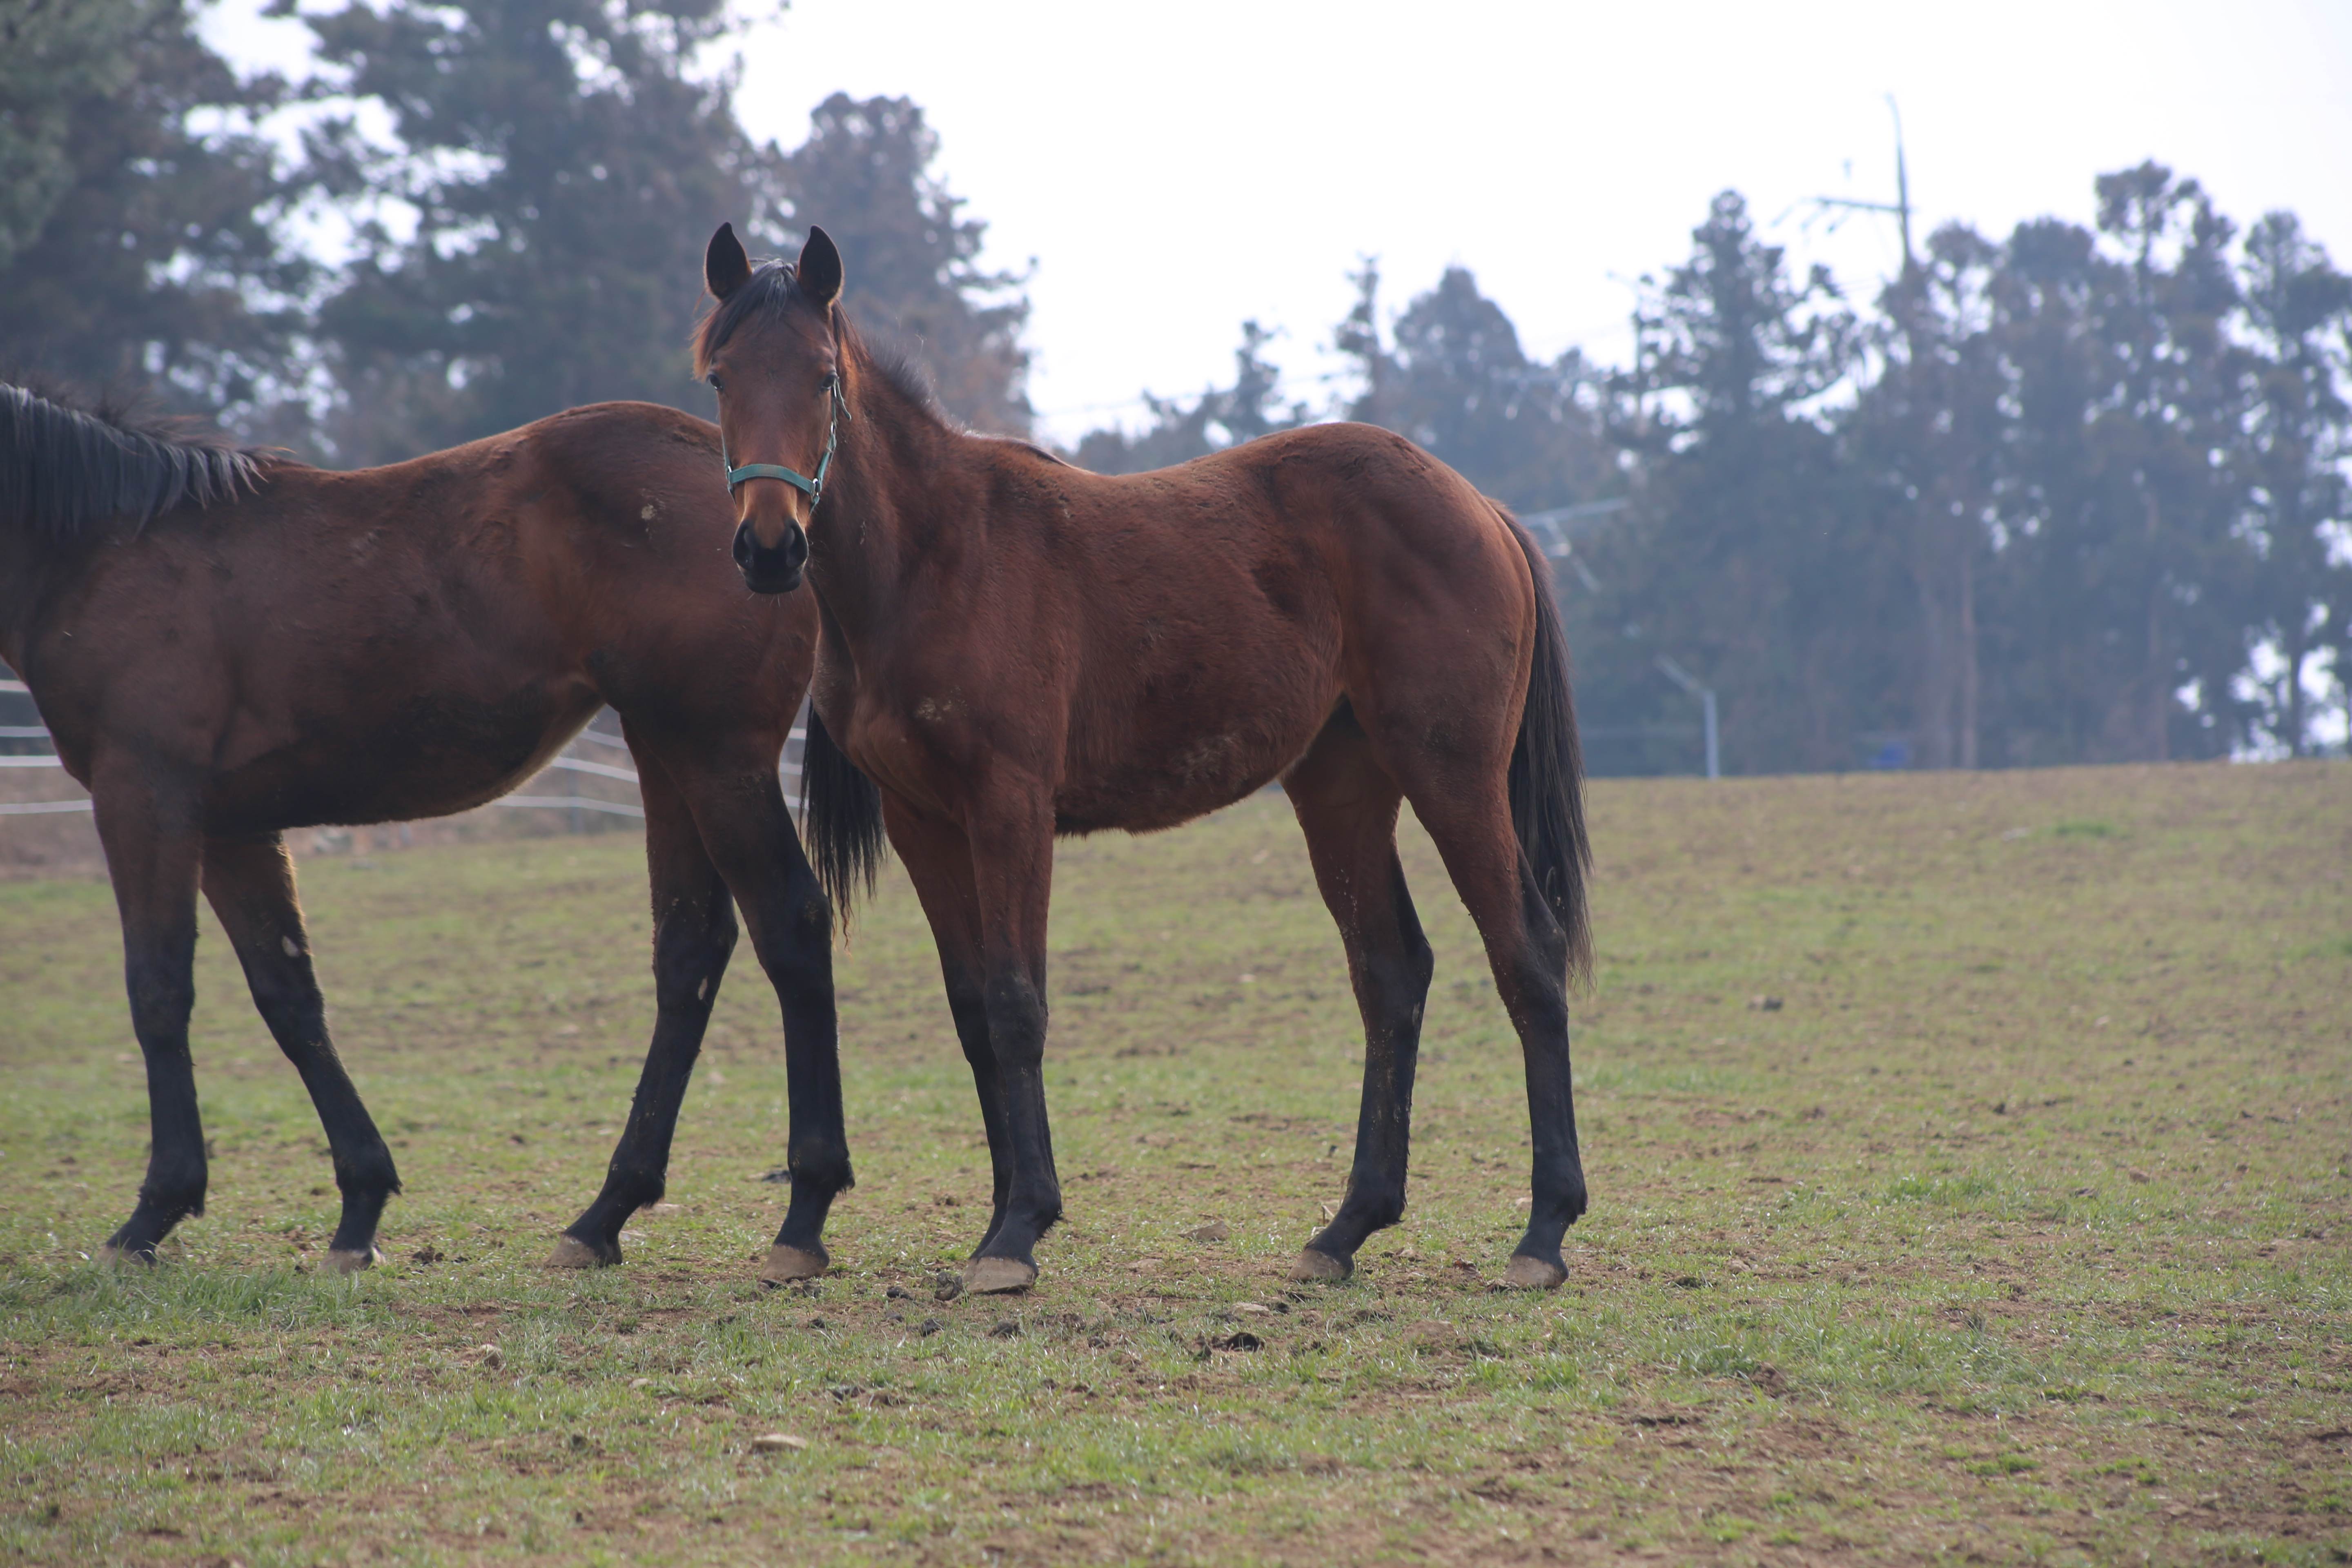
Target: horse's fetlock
(822, 1161)
(366, 1173)
(637, 1186)
(1373, 1209)
(169, 1201)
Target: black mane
(771, 290)
(62, 467)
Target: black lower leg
(159, 977)
(1556, 1180)
(251, 885)
(175, 1185)
(1535, 990)
(690, 957)
(970, 1010)
(364, 1172)
(1391, 980)
(1029, 1193)
(797, 948)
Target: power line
(1900, 206)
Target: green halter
(814, 487)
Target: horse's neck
(893, 504)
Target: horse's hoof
(998, 1276)
(343, 1260)
(113, 1256)
(570, 1252)
(1533, 1274)
(1314, 1265)
(786, 1264)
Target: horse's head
(771, 353)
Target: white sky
(1173, 169)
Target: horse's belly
(1174, 778)
(440, 752)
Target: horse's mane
(62, 467)
(769, 291)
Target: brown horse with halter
(226, 645)
(1014, 649)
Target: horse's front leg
(938, 859)
(747, 832)
(1013, 880)
(155, 854)
(250, 882)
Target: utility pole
(1705, 695)
(1900, 206)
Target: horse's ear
(725, 267)
(819, 272)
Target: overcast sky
(1173, 169)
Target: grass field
(1970, 1156)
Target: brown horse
(1014, 649)
(226, 645)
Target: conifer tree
(864, 175)
(137, 251)
(565, 170)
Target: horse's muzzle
(772, 569)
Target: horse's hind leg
(747, 833)
(1528, 951)
(250, 882)
(1348, 807)
(693, 935)
(153, 852)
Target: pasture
(1969, 1155)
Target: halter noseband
(814, 488)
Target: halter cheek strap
(814, 487)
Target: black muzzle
(771, 570)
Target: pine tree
(1218, 418)
(566, 171)
(864, 176)
(136, 253)
(1454, 378)
(2292, 461)
(1745, 559)
(1927, 435)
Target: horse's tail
(841, 815)
(1547, 778)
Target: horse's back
(1227, 604)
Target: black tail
(1548, 771)
(841, 815)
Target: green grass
(1969, 1159)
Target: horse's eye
(716, 385)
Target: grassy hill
(1968, 1156)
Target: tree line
(2073, 495)
(521, 190)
